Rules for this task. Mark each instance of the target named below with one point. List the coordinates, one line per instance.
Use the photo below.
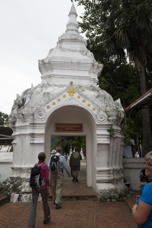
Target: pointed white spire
(70, 59)
(72, 25)
(72, 31)
(73, 10)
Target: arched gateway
(68, 98)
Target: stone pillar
(104, 172)
(29, 141)
(116, 158)
(109, 175)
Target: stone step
(77, 197)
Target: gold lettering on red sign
(68, 127)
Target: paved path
(74, 214)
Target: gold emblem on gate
(71, 91)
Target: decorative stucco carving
(101, 117)
(46, 96)
(40, 114)
(119, 111)
(22, 100)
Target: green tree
(3, 119)
(122, 29)
(66, 142)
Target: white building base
(132, 168)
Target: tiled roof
(145, 99)
(5, 135)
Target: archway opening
(69, 144)
(72, 121)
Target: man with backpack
(39, 182)
(75, 161)
(57, 165)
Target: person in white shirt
(56, 178)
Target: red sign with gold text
(68, 127)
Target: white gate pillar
(109, 175)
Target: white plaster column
(116, 155)
(108, 158)
(104, 172)
(29, 141)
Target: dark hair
(59, 150)
(41, 156)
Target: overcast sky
(28, 30)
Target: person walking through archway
(74, 162)
(57, 165)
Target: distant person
(41, 189)
(66, 156)
(142, 210)
(57, 165)
(74, 162)
(137, 154)
(127, 151)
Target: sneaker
(73, 179)
(77, 180)
(58, 206)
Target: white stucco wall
(6, 160)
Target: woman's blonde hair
(148, 156)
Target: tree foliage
(3, 119)
(69, 142)
(119, 25)
(119, 34)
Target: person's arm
(50, 177)
(80, 157)
(141, 212)
(65, 165)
